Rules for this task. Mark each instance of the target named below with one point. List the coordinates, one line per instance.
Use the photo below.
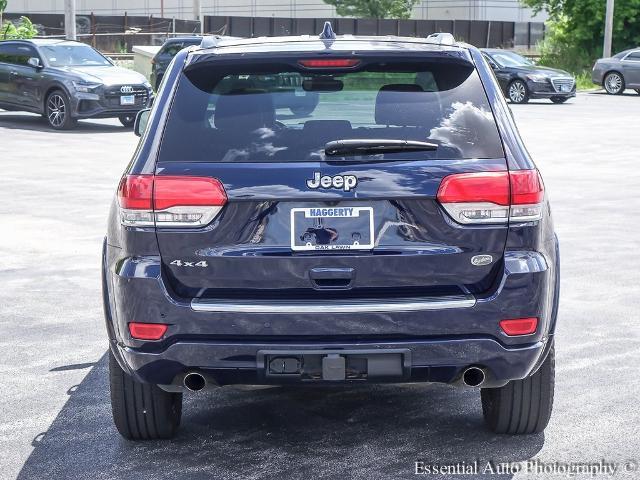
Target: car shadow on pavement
(375, 431)
(626, 93)
(38, 123)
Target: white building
(501, 10)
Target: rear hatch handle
(323, 278)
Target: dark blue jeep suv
(399, 232)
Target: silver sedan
(619, 72)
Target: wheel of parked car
(521, 406)
(559, 99)
(58, 111)
(302, 109)
(614, 83)
(127, 120)
(518, 92)
(142, 411)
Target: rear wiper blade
(355, 146)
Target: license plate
(564, 88)
(332, 228)
(128, 100)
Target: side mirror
(142, 118)
(34, 62)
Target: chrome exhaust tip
(194, 381)
(473, 377)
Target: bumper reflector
(519, 326)
(147, 331)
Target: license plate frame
(127, 100)
(336, 214)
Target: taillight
(147, 331)
(493, 197)
(519, 326)
(329, 62)
(135, 196)
(169, 201)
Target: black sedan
(291, 93)
(163, 58)
(522, 80)
(66, 81)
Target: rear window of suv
(283, 112)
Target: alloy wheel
(56, 110)
(517, 92)
(613, 83)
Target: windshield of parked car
(510, 59)
(72, 56)
(282, 112)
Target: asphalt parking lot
(55, 419)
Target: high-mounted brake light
(329, 62)
(519, 326)
(147, 331)
(169, 201)
(493, 197)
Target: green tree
(21, 29)
(577, 28)
(373, 8)
(3, 6)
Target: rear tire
(142, 411)
(127, 121)
(614, 83)
(559, 99)
(521, 406)
(303, 110)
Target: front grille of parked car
(560, 82)
(113, 94)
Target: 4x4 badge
(345, 182)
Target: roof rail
(210, 41)
(441, 39)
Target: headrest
(245, 110)
(403, 104)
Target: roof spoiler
(441, 39)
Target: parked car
(522, 80)
(161, 60)
(619, 72)
(389, 238)
(66, 81)
(291, 94)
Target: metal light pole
(70, 19)
(608, 29)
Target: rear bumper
(443, 339)
(238, 362)
(597, 75)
